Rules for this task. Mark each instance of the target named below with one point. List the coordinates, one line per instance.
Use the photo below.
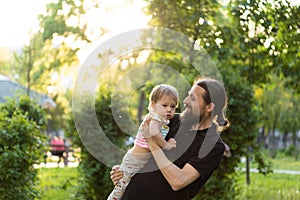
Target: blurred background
(254, 44)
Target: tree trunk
(284, 140)
(295, 144)
(28, 83)
(261, 138)
(248, 168)
(141, 106)
(272, 147)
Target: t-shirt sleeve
(154, 128)
(206, 165)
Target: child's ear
(152, 104)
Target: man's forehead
(196, 90)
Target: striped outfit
(140, 139)
(131, 164)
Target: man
(180, 173)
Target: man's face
(195, 108)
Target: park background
(254, 44)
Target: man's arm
(176, 177)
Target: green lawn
(274, 186)
(61, 183)
(271, 187)
(282, 162)
(57, 183)
(285, 162)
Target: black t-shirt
(201, 149)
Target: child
(162, 104)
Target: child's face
(165, 107)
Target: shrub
(21, 146)
(94, 180)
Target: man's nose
(185, 101)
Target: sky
(17, 19)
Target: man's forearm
(177, 178)
(173, 174)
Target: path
(279, 171)
(54, 164)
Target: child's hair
(160, 91)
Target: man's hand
(116, 174)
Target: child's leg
(119, 189)
(130, 166)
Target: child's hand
(171, 143)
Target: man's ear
(210, 107)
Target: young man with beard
(180, 173)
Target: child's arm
(154, 129)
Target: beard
(190, 117)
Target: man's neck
(205, 124)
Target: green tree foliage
(5, 61)
(267, 34)
(190, 17)
(280, 106)
(238, 57)
(284, 48)
(25, 61)
(51, 52)
(94, 181)
(27, 107)
(263, 44)
(250, 30)
(21, 146)
(55, 20)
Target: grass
(61, 183)
(271, 187)
(282, 162)
(274, 186)
(57, 183)
(285, 162)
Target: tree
(236, 54)
(287, 38)
(51, 54)
(25, 62)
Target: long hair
(215, 93)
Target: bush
(21, 146)
(94, 180)
(26, 106)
